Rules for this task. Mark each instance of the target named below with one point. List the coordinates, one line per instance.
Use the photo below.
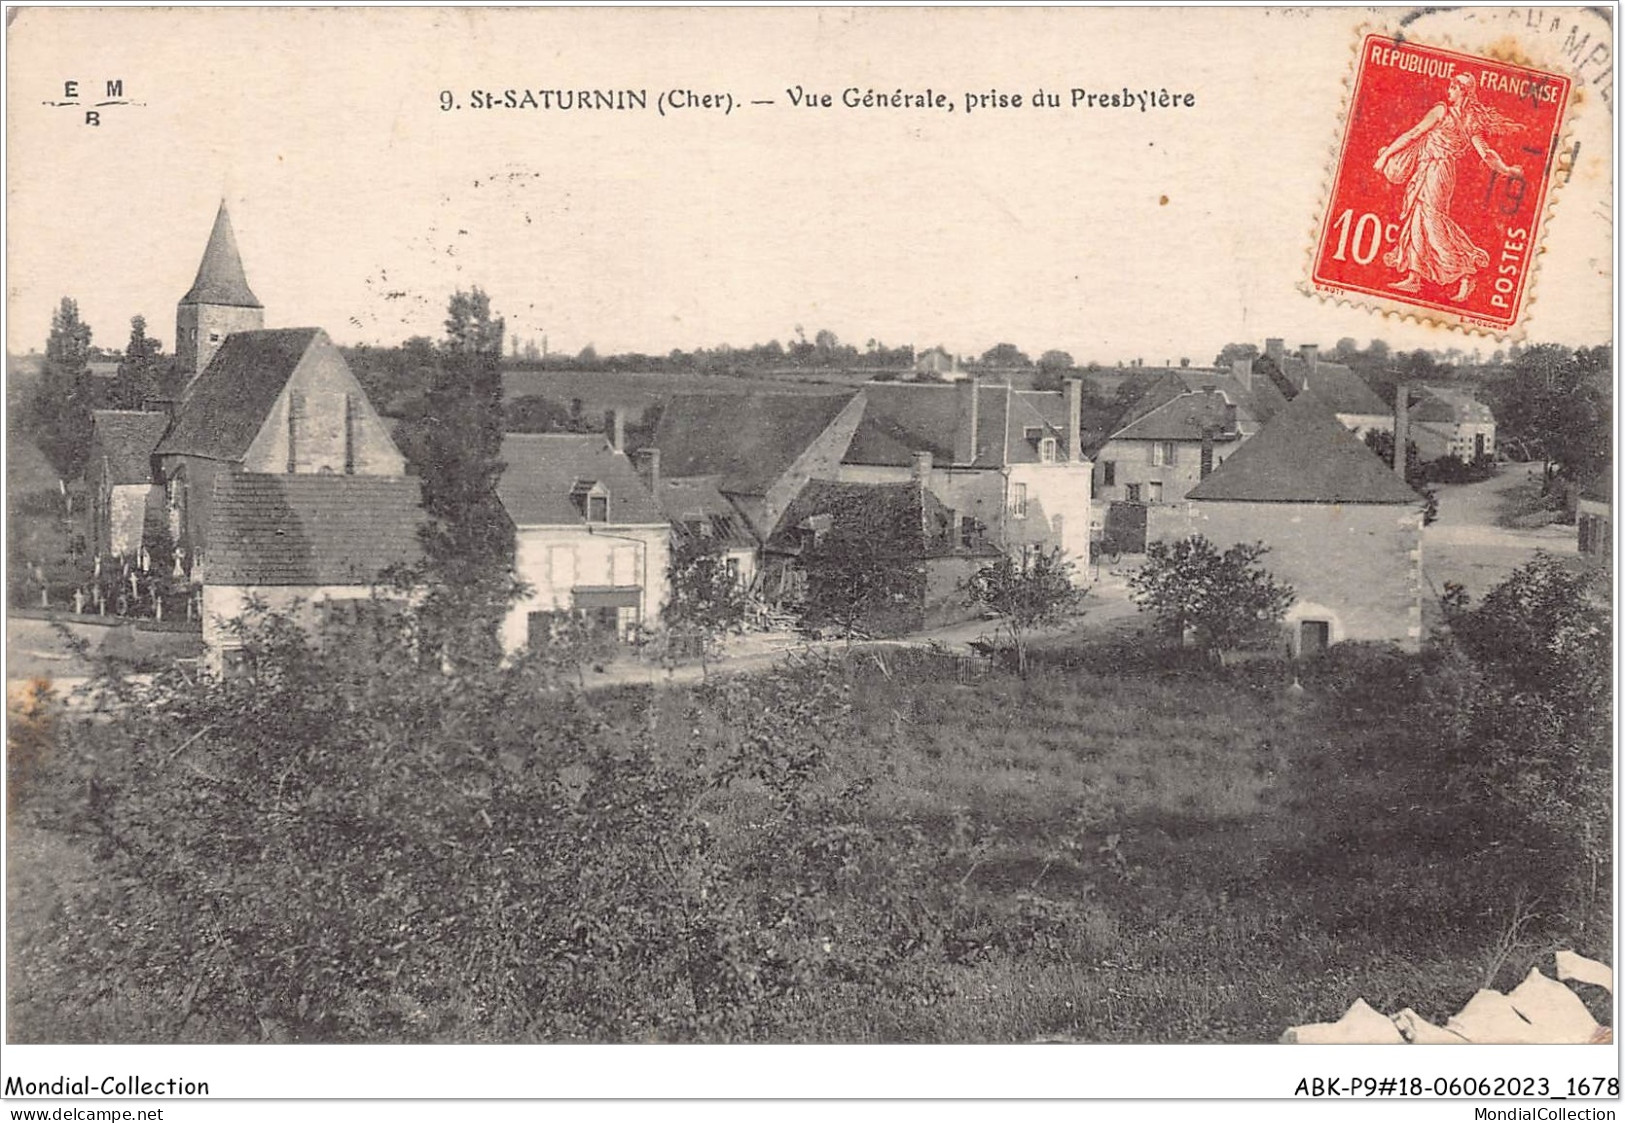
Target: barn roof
(124, 440)
(902, 418)
(228, 405)
(1304, 455)
(1335, 385)
(311, 529)
(542, 473)
(220, 277)
(748, 441)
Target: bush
(339, 844)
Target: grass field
(1144, 852)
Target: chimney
(1311, 355)
(1276, 349)
(1402, 425)
(1242, 369)
(647, 461)
(617, 429)
(922, 466)
(1074, 420)
(969, 413)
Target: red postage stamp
(1441, 183)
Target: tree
(705, 601)
(1556, 405)
(1006, 355)
(64, 397)
(855, 583)
(1027, 592)
(1231, 352)
(1226, 600)
(456, 446)
(138, 372)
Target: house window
(1131, 492)
(1108, 473)
(214, 337)
(1046, 450)
(970, 533)
(598, 508)
(732, 566)
(1154, 491)
(1018, 501)
(1163, 453)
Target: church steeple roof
(220, 278)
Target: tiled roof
(1184, 418)
(311, 529)
(220, 278)
(1336, 385)
(542, 469)
(1304, 455)
(748, 441)
(902, 418)
(697, 501)
(900, 520)
(228, 404)
(123, 440)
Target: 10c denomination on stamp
(1439, 192)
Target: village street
(1466, 546)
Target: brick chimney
(1242, 369)
(1074, 420)
(922, 465)
(1311, 355)
(970, 392)
(1276, 349)
(617, 429)
(1402, 425)
(647, 461)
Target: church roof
(220, 278)
(228, 405)
(311, 529)
(122, 440)
(1304, 455)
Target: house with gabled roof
(1008, 463)
(1451, 421)
(1356, 405)
(702, 516)
(312, 547)
(1342, 528)
(124, 487)
(588, 536)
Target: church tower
(218, 303)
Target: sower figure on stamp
(1431, 246)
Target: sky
(360, 205)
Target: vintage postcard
(906, 534)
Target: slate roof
(697, 500)
(1304, 455)
(900, 520)
(311, 529)
(902, 418)
(124, 440)
(1336, 385)
(1183, 419)
(748, 441)
(542, 469)
(1260, 401)
(227, 406)
(220, 277)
